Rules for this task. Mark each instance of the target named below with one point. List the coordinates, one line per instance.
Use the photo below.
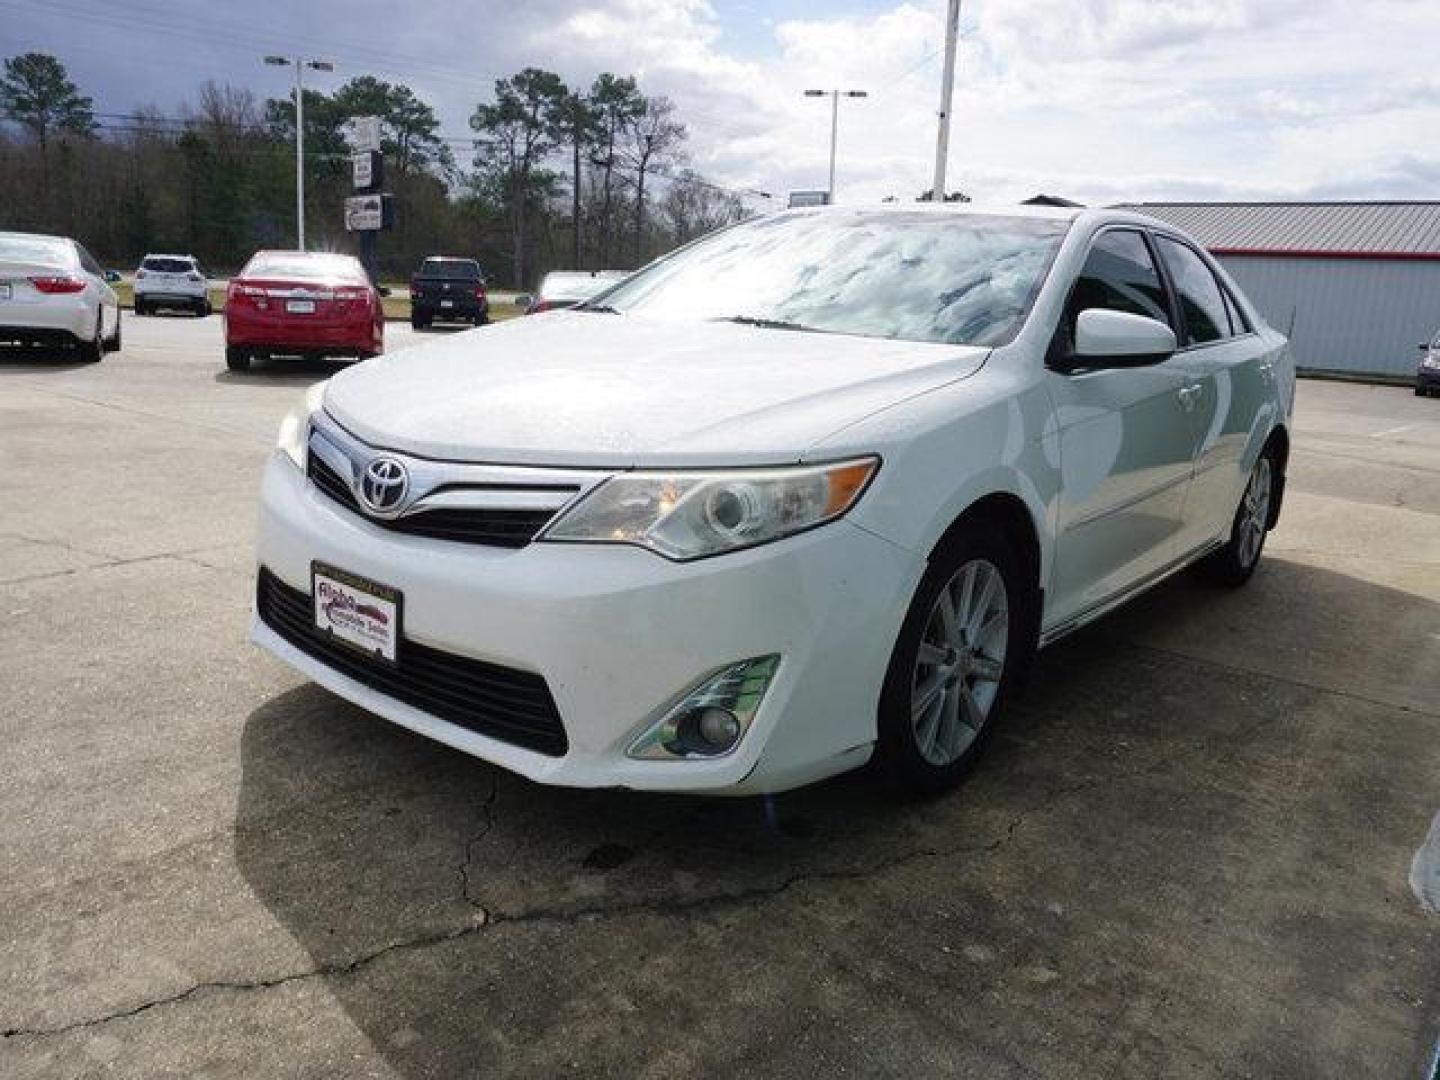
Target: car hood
(587, 388)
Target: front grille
(513, 706)
(492, 527)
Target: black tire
(93, 351)
(1235, 563)
(139, 307)
(1420, 391)
(483, 319)
(420, 320)
(113, 343)
(898, 757)
(237, 359)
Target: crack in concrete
(485, 824)
(108, 561)
(1237, 669)
(660, 906)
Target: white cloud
(1101, 99)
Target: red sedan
(299, 303)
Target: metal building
(1355, 284)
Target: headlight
(294, 434)
(1431, 361)
(692, 514)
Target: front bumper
(1427, 379)
(618, 633)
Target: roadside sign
(367, 134)
(368, 213)
(809, 198)
(366, 169)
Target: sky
(1097, 100)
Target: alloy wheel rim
(960, 662)
(1254, 513)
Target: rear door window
(1203, 315)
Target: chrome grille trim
(446, 492)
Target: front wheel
(962, 649)
(1233, 564)
(237, 359)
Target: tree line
(556, 177)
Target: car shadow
(289, 370)
(368, 843)
(25, 359)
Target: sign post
(368, 211)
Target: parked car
(53, 292)
(1427, 375)
(448, 289)
(171, 281)
(566, 288)
(805, 494)
(313, 304)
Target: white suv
(171, 281)
(804, 494)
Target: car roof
(1079, 214)
(36, 236)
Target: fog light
(710, 720)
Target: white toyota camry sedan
(805, 494)
(53, 292)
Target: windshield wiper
(766, 324)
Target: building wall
(1354, 315)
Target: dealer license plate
(300, 307)
(355, 610)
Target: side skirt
(1094, 611)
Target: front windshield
(961, 279)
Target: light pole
(947, 93)
(835, 96)
(300, 64)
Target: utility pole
(300, 63)
(947, 92)
(835, 96)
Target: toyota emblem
(383, 486)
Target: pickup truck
(446, 288)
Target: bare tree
(616, 103)
(654, 138)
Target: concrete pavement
(1187, 855)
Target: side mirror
(1105, 339)
(524, 300)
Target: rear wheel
(962, 649)
(139, 306)
(237, 359)
(1233, 564)
(112, 344)
(93, 351)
